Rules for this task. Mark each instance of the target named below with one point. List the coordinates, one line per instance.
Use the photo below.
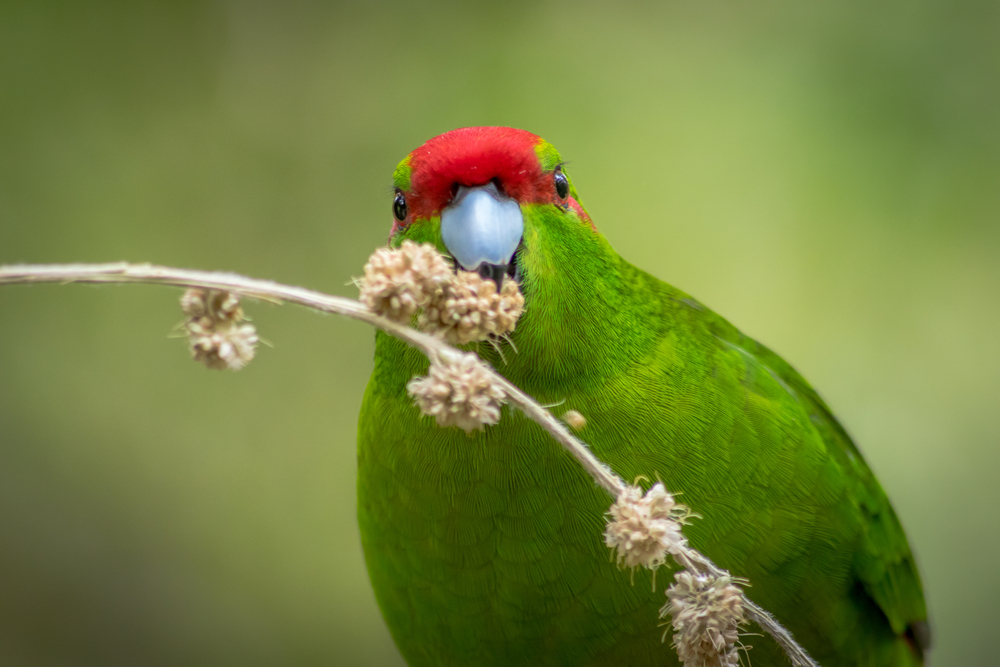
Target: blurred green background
(826, 175)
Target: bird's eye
(562, 184)
(399, 206)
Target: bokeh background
(826, 175)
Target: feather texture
(486, 549)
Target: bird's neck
(588, 313)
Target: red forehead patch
(475, 156)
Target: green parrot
(487, 549)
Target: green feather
(486, 549)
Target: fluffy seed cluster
(458, 392)
(460, 308)
(470, 309)
(216, 331)
(399, 281)
(706, 613)
(575, 420)
(645, 528)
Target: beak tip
(494, 272)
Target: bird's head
(500, 202)
(485, 195)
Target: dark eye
(562, 184)
(399, 206)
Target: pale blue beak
(481, 229)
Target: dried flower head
(706, 612)
(574, 420)
(216, 331)
(469, 308)
(645, 528)
(398, 281)
(458, 392)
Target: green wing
(883, 566)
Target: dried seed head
(574, 420)
(229, 348)
(193, 302)
(398, 281)
(706, 612)
(219, 305)
(217, 334)
(458, 392)
(645, 528)
(469, 308)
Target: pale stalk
(123, 272)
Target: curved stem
(123, 272)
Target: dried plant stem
(799, 657)
(123, 272)
(266, 290)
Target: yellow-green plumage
(486, 549)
